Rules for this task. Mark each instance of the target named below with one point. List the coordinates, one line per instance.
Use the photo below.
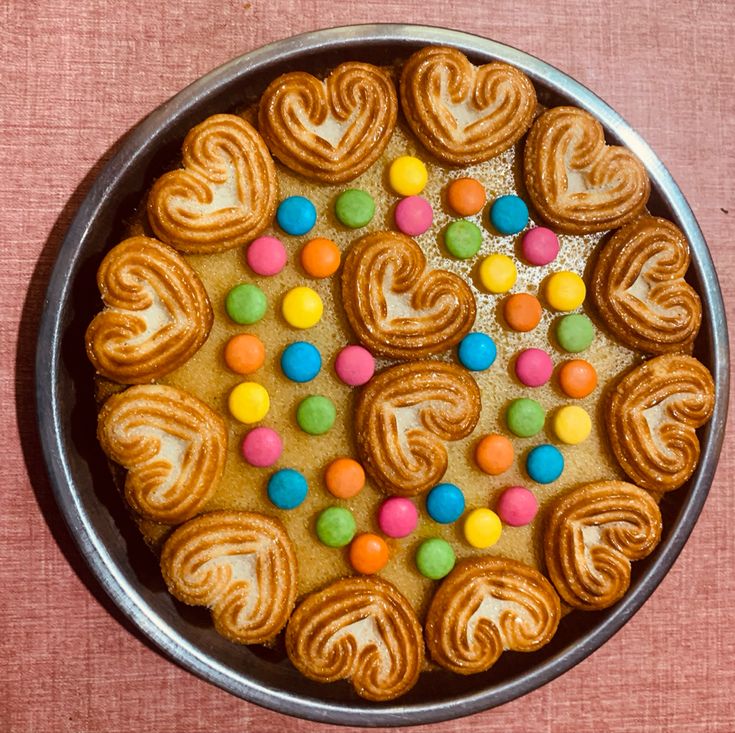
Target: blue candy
(509, 214)
(544, 464)
(445, 503)
(296, 215)
(477, 351)
(301, 361)
(287, 488)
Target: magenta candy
(262, 447)
(414, 215)
(397, 517)
(517, 506)
(534, 367)
(539, 246)
(354, 365)
(266, 256)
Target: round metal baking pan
(81, 479)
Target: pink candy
(397, 517)
(266, 256)
(517, 506)
(414, 215)
(354, 365)
(539, 246)
(534, 367)
(262, 447)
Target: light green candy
(316, 414)
(335, 526)
(463, 239)
(575, 332)
(354, 208)
(435, 558)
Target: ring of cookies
(347, 360)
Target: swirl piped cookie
(349, 377)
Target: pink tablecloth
(75, 77)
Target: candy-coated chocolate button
(287, 488)
(477, 351)
(482, 528)
(397, 517)
(335, 526)
(539, 246)
(302, 307)
(517, 506)
(498, 273)
(522, 311)
(320, 257)
(463, 239)
(509, 214)
(266, 256)
(296, 215)
(368, 553)
(577, 378)
(407, 175)
(572, 424)
(544, 464)
(246, 303)
(525, 417)
(354, 365)
(301, 361)
(435, 558)
(533, 367)
(249, 402)
(466, 196)
(575, 332)
(445, 503)
(354, 208)
(494, 454)
(316, 414)
(244, 353)
(262, 447)
(344, 478)
(565, 291)
(414, 215)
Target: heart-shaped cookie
(652, 415)
(592, 535)
(172, 445)
(488, 605)
(639, 289)
(403, 417)
(359, 629)
(241, 565)
(577, 182)
(396, 306)
(156, 316)
(463, 113)
(224, 196)
(329, 130)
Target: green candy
(354, 208)
(575, 332)
(246, 303)
(463, 239)
(435, 558)
(335, 526)
(316, 414)
(525, 417)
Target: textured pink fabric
(75, 77)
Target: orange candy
(368, 553)
(320, 257)
(466, 196)
(344, 478)
(244, 353)
(577, 378)
(494, 454)
(522, 311)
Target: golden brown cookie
(172, 445)
(488, 605)
(225, 194)
(463, 113)
(329, 130)
(577, 182)
(639, 289)
(156, 315)
(592, 535)
(403, 417)
(359, 629)
(652, 414)
(240, 565)
(398, 308)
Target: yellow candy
(482, 528)
(302, 307)
(572, 424)
(249, 402)
(498, 273)
(565, 291)
(407, 175)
